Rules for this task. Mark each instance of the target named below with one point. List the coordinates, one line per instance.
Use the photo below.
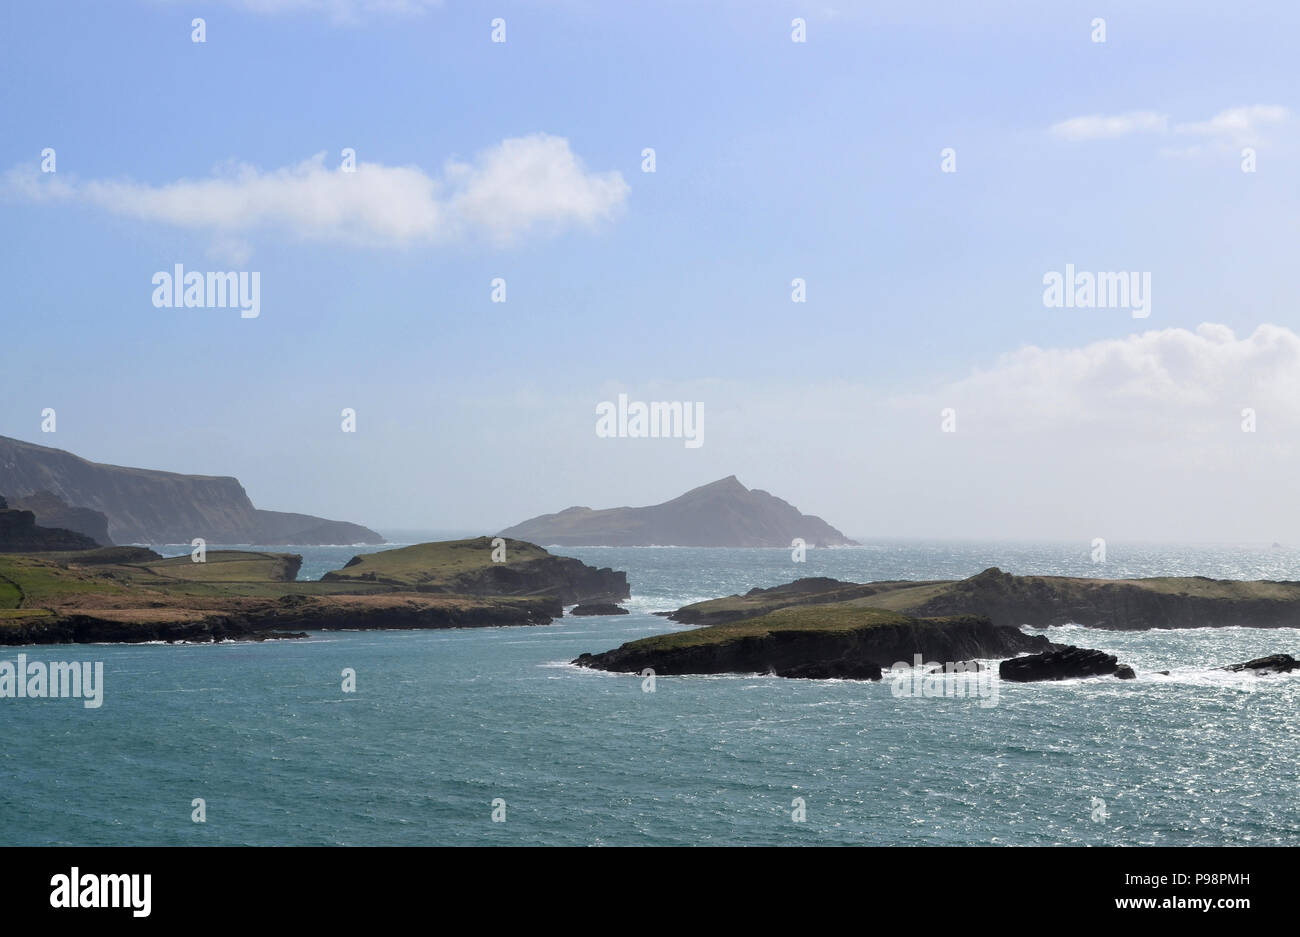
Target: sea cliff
(147, 506)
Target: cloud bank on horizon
(1182, 431)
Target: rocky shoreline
(860, 657)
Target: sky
(923, 388)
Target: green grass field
(426, 563)
(836, 618)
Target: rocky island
(820, 627)
(132, 594)
(465, 567)
(1036, 601)
(844, 641)
(722, 514)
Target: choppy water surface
(444, 722)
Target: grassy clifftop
(436, 564)
(133, 594)
(472, 566)
(825, 618)
(814, 591)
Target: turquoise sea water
(444, 722)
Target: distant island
(722, 514)
(146, 506)
(132, 594)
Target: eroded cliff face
(145, 506)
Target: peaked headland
(723, 513)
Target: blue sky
(775, 160)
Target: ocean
(446, 728)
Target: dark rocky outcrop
(145, 506)
(53, 511)
(722, 514)
(92, 629)
(1274, 663)
(833, 670)
(960, 666)
(1065, 663)
(598, 608)
(19, 533)
(1125, 672)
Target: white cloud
(30, 183)
(520, 186)
(530, 181)
(1158, 382)
(1103, 127)
(1239, 125)
(1227, 131)
(1136, 438)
